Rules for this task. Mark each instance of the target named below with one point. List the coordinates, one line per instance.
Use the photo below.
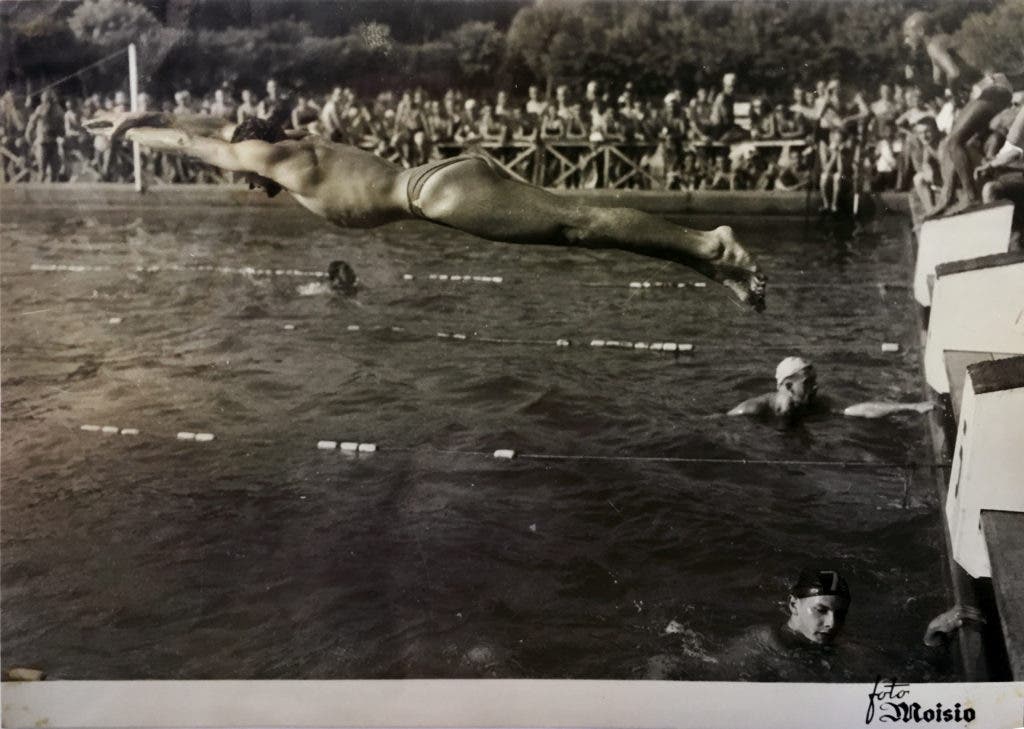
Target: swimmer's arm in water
(881, 409)
(942, 627)
(754, 406)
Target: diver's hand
(941, 627)
(114, 124)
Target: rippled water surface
(259, 556)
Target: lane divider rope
(185, 435)
(406, 278)
(360, 447)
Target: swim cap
(790, 366)
(812, 583)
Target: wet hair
(265, 131)
(812, 583)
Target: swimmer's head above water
(796, 383)
(263, 130)
(818, 603)
(342, 277)
(796, 392)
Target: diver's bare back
(350, 187)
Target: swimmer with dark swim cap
(342, 278)
(798, 650)
(820, 599)
(806, 646)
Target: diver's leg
(957, 170)
(472, 198)
(923, 190)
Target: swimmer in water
(807, 646)
(796, 395)
(351, 187)
(818, 603)
(342, 278)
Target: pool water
(259, 556)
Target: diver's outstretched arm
(116, 124)
(194, 135)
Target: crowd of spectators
(822, 136)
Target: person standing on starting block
(350, 187)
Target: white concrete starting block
(979, 232)
(986, 469)
(977, 305)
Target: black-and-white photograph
(664, 341)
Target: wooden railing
(13, 168)
(546, 163)
(582, 164)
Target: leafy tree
(479, 49)
(548, 39)
(111, 23)
(28, 45)
(995, 40)
(376, 37)
(433, 65)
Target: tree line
(655, 45)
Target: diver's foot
(947, 212)
(962, 206)
(735, 269)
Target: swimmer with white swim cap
(354, 188)
(796, 392)
(796, 395)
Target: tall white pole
(133, 89)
